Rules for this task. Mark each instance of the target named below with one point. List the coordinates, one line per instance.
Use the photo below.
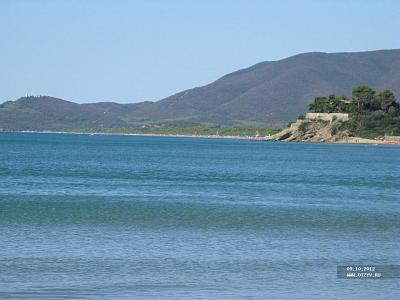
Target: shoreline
(236, 137)
(351, 140)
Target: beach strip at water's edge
(236, 137)
(350, 140)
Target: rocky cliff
(306, 130)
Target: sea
(139, 217)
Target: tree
(330, 104)
(333, 103)
(346, 105)
(320, 105)
(364, 97)
(387, 102)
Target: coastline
(313, 129)
(236, 137)
(349, 140)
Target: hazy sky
(129, 51)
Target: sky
(131, 51)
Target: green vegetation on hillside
(332, 104)
(371, 114)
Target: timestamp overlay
(368, 271)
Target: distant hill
(267, 93)
(48, 113)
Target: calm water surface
(105, 217)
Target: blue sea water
(109, 217)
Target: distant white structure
(32, 96)
(328, 116)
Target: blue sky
(129, 51)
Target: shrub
(303, 127)
(285, 136)
(334, 130)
